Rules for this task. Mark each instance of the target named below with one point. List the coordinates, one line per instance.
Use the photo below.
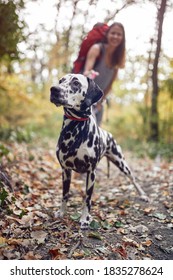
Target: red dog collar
(76, 119)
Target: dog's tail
(108, 167)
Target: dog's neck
(76, 115)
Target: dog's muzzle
(56, 96)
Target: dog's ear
(93, 94)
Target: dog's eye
(61, 81)
(76, 83)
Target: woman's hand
(91, 74)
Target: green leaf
(3, 196)
(105, 225)
(3, 150)
(87, 252)
(75, 216)
(23, 212)
(94, 224)
(93, 234)
(118, 224)
(160, 216)
(26, 189)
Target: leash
(76, 119)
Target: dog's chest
(79, 146)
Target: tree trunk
(154, 121)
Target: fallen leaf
(32, 256)
(147, 243)
(118, 224)
(148, 210)
(105, 225)
(94, 224)
(160, 216)
(57, 254)
(3, 241)
(159, 237)
(130, 242)
(121, 250)
(75, 217)
(11, 253)
(95, 235)
(139, 229)
(78, 254)
(39, 236)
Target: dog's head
(75, 91)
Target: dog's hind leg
(85, 217)
(139, 189)
(115, 155)
(66, 179)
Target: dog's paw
(84, 223)
(61, 212)
(145, 198)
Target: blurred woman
(103, 61)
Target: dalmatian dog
(82, 143)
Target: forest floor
(123, 226)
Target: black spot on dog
(115, 151)
(64, 148)
(66, 184)
(80, 165)
(62, 80)
(74, 132)
(96, 141)
(117, 163)
(67, 136)
(94, 129)
(69, 164)
(127, 170)
(70, 144)
(86, 158)
(92, 177)
(90, 142)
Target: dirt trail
(123, 226)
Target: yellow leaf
(3, 241)
(78, 255)
(147, 243)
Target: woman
(103, 61)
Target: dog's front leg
(66, 179)
(85, 218)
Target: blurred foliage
(11, 30)
(4, 150)
(26, 113)
(23, 113)
(3, 196)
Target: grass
(150, 149)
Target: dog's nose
(54, 93)
(53, 89)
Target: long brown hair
(118, 57)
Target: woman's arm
(91, 58)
